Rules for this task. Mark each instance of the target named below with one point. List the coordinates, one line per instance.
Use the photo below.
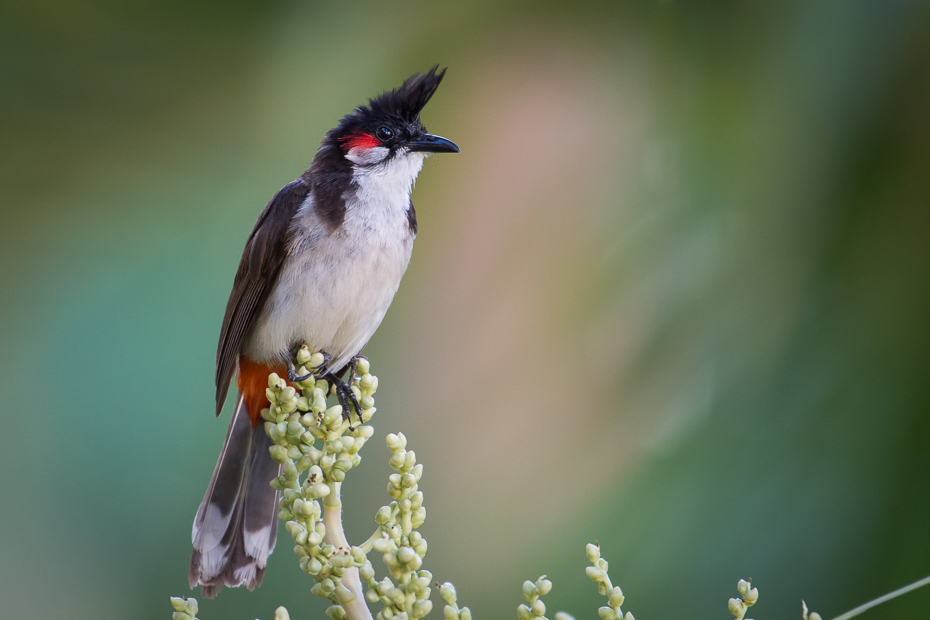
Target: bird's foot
(346, 397)
(353, 368)
(303, 352)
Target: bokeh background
(674, 294)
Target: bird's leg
(319, 371)
(344, 393)
(352, 368)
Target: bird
(320, 270)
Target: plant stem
(357, 609)
(881, 599)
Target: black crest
(407, 100)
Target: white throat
(387, 181)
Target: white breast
(335, 287)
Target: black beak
(433, 144)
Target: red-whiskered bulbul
(320, 268)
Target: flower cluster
(184, 608)
(296, 422)
(451, 611)
(532, 592)
(748, 598)
(598, 573)
(405, 593)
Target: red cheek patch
(359, 141)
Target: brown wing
(258, 270)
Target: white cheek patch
(367, 156)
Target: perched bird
(320, 268)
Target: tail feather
(236, 525)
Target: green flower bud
(367, 402)
(367, 572)
(593, 552)
(416, 500)
(382, 545)
(450, 614)
(358, 554)
(813, 616)
(281, 614)
(278, 453)
(304, 355)
(410, 460)
(295, 428)
(347, 442)
(397, 459)
(314, 538)
(616, 597)
(524, 613)
(178, 603)
(742, 587)
(314, 566)
(447, 592)
(337, 475)
(595, 573)
(417, 471)
(420, 548)
(736, 608)
(383, 515)
(628, 616)
(405, 554)
(408, 481)
(336, 612)
(421, 608)
(372, 596)
(543, 586)
(332, 415)
(180, 615)
(418, 516)
(607, 613)
(319, 490)
(343, 594)
(538, 608)
(529, 590)
(465, 613)
(751, 597)
(289, 471)
(561, 615)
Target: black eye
(384, 134)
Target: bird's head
(388, 130)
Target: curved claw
(345, 396)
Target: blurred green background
(674, 295)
